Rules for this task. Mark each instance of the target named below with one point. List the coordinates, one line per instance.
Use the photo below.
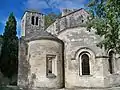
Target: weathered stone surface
(77, 39)
(37, 58)
(113, 88)
(24, 66)
(66, 42)
(75, 19)
(28, 29)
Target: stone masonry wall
(23, 64)
(37, 52)
(77, 40)
(27, 28)
(74, 19)
(71, 29)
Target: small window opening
(49, 65)
(32, 20)
(36, 20)
(82, 21)
(50, 68)
(110, 60)
(81, 17)
(85, 64)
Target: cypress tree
(9, 52)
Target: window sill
(51, 75)
(85, 75)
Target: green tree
(50, 18)
(1, 42)
(105, 18)
(9, 52)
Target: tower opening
(32, 20)
(36, 20)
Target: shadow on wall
(3, 80)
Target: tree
(9, 52)
(1, 42)
(50, 18)
(105, 18)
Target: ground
(16, 88)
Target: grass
(9, 88)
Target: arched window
(110, 60)
(85, 64)
(36, 20)
(32, 20)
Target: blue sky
(19, 6)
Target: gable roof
(74, 12)
(42, 34)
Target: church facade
(65, 55)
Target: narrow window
(82, 21)
(50, 66)
(81, 18)
(36, 20)
(85, 64)
(110, 60)
(32, 20)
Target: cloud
(42, 4)
(18, 22)
(72, 4)
(36, 4)
(3, 23)
(18, 27)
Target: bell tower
(32, 23)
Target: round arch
(111, 61)
(88, 63)
(84, 50)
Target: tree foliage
(1, 42)
(50, 18)
(9, 52)
(105, 18)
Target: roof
(42, 34)
(33, 11)
(74, 12)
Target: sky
(18, 7)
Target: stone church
(65, 55)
